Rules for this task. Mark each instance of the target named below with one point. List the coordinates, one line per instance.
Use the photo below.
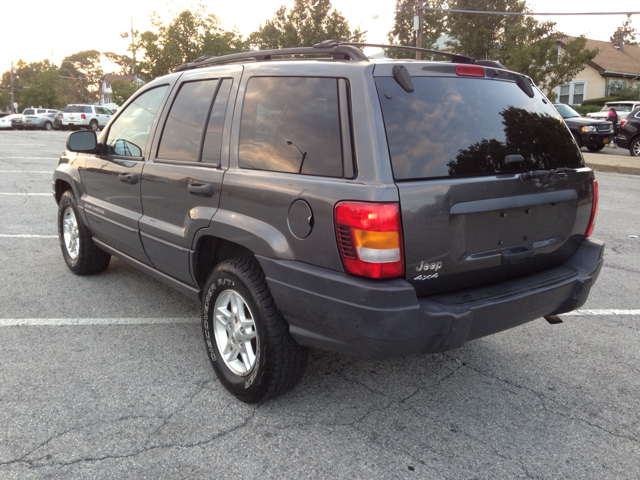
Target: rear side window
(451, 126)
(292, 125)
(129, 133)
(86, 109)
(184, 127)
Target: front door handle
(204, 189)
(131, 178)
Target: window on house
(572, 93)
(615, 85)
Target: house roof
(610, 61)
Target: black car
(629, 133)
(372, 208)
(590, 133)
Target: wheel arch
(212, 250)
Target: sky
(69, 26)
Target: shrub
(584, 109)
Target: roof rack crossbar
(337, 51)
(455, 58)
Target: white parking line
(604, 312)
(14, 322)
(2, 235)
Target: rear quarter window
(451, 126)
(291, 124)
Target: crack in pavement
(542, 398)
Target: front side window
(292, 125)
(129, 133)
(184, 127)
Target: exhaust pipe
(553, 319)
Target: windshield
(620, 107)
(566, 111)
(451, 126)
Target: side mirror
(83, 142)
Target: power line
(485, 12)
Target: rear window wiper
(544, 176)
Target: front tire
(48, 126)
(80, 254)
(247, 339)
(93, 126)
(634, 148)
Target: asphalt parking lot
(107, 376)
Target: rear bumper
(385, 319)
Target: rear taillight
(622, 122)
(594, 211)
(83, 116)
(370, 239)
(469, 70)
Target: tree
(309, 22)
(403, 34)
(83, 74)
(627, 33)
(121, 90)
(191, 34)
(519, 42)
(125, 62)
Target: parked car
(5, 122)
(623, 107)
(91, 117)
(588, 132)
(28, 118)
(40, 121)
(373, 208)
(629, 133)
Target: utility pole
(133, 53)
(13, 108)
(419, 34)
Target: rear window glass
(291, 125)
(452, 126)
(29, 111)
(73, 109)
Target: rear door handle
(131, 178)
(203, 189)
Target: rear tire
(93, 126)
(80, 253)
(247, 339)
(596, 149)
(634, 148)
(48, 126)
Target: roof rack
(337, 49)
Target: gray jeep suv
(373, 208)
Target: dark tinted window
(213, 140)
(461, 126)
(29, 111)
(129, 133)
(73, 109)
(86, 109)
(41, 111)
(100, 110)
(291, 125)
(183, 130)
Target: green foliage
(83, 74)
(189, 35)
(403, 34)
(628, 92)
(125, 62)
(599, 102)
(519, 42)
(628, 33)
(309, 22)
(584, 109)
(122, 90)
